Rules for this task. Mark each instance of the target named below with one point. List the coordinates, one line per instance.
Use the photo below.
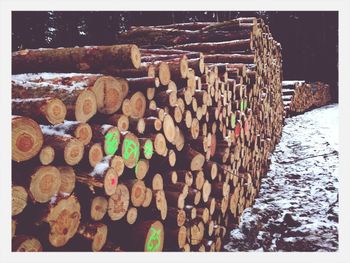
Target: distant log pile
(150, 149)
(299, 96)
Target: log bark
(49, 110)
(76, 59)
(219, 47)
(102, 177)
(67, 149)
(146, 236)
(42, 183)
(24, 243)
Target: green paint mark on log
(154, 241)
(112, 142)
(233, 120)
(148, 149)
(131, 149)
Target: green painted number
(112, 141)
(153, 243)
(131, 149)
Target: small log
(89, 237)
(67, 149)
(67, 180)
(118, 203)
(19, 199)
(46, 155)
(24, 243)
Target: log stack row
(300, 96)
(160, 147)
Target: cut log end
(98, 208)
(160, 144)
(141, 169)
(73, 152)
(19, 199)
(138, 105)
(67, 179)
(148, 198)
(112, 140)
(109, 94)
(131, 215)
(169, 128)
(47, 155)
(85, 106)
(56, 111)
(164, 73)
(135, 56)
(148, 149)
(138, 193)
(117, 163)
(118, 203)
(26, 244)
(181, 218)
(197, 162)
(155, 237)
(83, 133)
(95, 154)
(99, 238)
(45, 183)
(110, 181)
(64, 219)
(27, 138)
(131, 150)
(182, 237)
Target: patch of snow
(28, 100)
(101, 166)
(303, 182)
(51, 130)
(292, 82)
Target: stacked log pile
(150, 149)
(299, 96)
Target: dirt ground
(297, 208)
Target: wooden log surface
(160, 149)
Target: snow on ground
(297, 207)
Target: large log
(219, 47)
(81, 131)
(109, 91)
(102, 177)
(76, 59)
(81, 104)
(42, 183)
(49, 110)
(67, 149)
(27, 138)
(171, 37)
(146, 236)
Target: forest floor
(297, 208)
